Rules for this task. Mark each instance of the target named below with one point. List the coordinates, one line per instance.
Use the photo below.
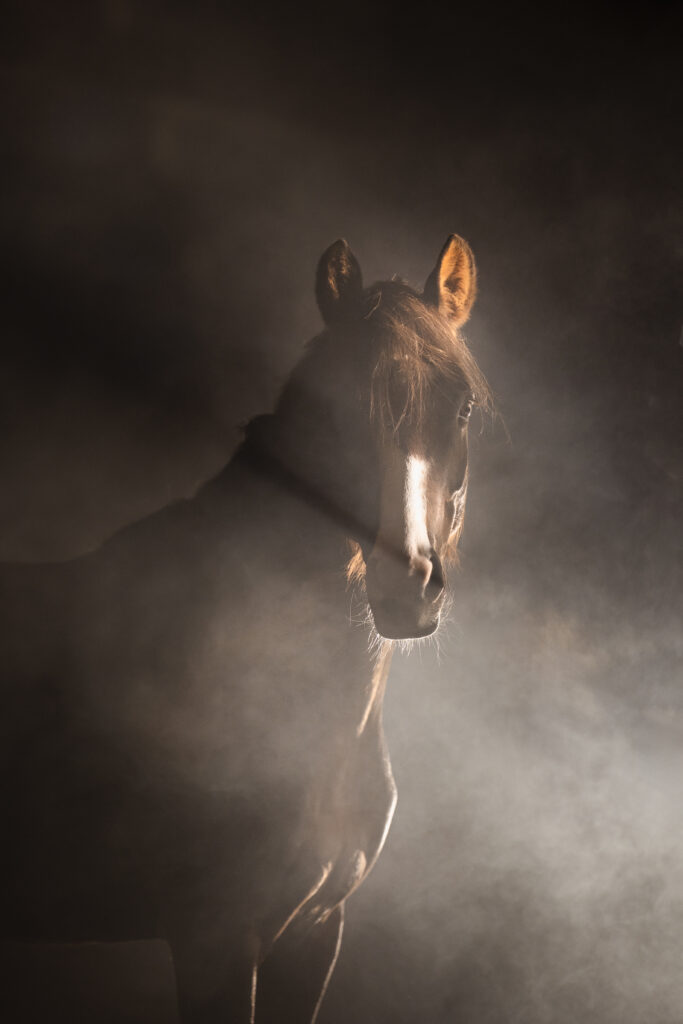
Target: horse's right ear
(452, 284)
(338, 283)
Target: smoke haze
(173, 174)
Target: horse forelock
(416, 348)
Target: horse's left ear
(338, 283)
(452, 284)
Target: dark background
(172, 174)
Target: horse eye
(465, 410)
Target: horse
(192, 714)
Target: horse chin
(396, 622)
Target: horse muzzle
(406, 595)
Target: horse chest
(344, 828)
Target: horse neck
(302, 532)
(278, 472)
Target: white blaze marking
(417, 538)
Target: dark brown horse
(192, 735)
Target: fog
(173, 175)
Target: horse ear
(452, 284)
(338, 283)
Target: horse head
(388, 388)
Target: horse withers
(192, 735)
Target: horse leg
(294, 977)
(215, 982)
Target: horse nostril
(435, 583)
(420, 568)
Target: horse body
(192, 740)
